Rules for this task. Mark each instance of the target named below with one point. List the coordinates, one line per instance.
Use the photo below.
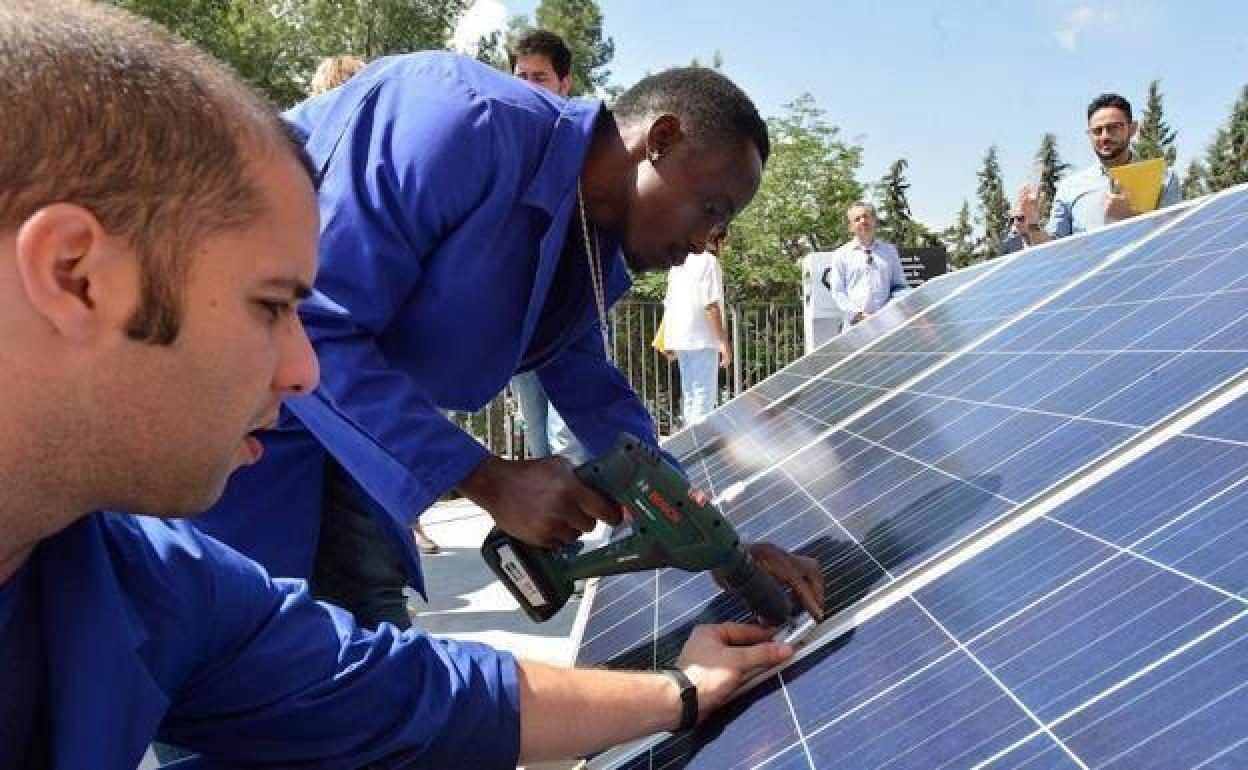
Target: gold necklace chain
(593, 254)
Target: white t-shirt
(690, 288)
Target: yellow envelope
(659, 343)
(1141, 181)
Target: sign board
(921, 264)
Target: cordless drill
(673, 525)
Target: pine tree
(491, 51)
(1194, 181)
(994, 206)
(896, 225)
(1155, 138)
(1051, 168)
(960, 239)
(1226, 163)
(579, 23)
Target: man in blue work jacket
(473, 227)
(157, 230)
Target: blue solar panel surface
(983, 397)
(1110, 632)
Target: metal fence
(765, 338)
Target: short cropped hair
(112, 113)
(710, 106)
(333, 72)
(542, 42)
(1110, 100)
(865, 206)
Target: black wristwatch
(688, 698)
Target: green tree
(1050, 169)
(276, 46)
(960, 239)
(372, 28)
(896, 224)
(579, 23)
(1155, 138)
(265, 48)
(1194, 181)
(808, 185)
(1226, 163)
(491, 49)
(716, 63)
(994, 206)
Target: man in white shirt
(861, 276)
(693, 330)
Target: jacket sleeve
(282, 680)
(397, 182)
(594, 398)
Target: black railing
(766, 337)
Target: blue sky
(937, 82)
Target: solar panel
(792, 429)
(898, 449)
(850, 372)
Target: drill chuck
(762, 593)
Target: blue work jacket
(446, 193)
(141, 628)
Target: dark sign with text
(921, 264)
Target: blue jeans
(699, 383)
(545, 432)
(531, 400)
(357, 567)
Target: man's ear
(67, 263)
(665, 133)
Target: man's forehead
(287, 235)
(1107, 115)
(533, 62)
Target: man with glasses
(1014, 240)
(1090, 199)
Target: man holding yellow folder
(1110, 190)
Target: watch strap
(688, 698)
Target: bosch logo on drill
(658, 501)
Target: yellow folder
(1141, 181)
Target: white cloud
(481, 18)
(1080, 19)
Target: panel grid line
(797, 724)
(1145, 558)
